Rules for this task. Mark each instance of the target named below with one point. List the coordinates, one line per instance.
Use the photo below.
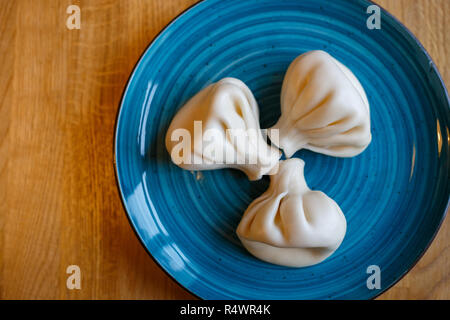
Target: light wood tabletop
(59, 94)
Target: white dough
(290, 224)
(226, 104)
(323, 108)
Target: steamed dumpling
(219, 128)
(290, 224)
(323, 108)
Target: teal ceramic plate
(394, 195)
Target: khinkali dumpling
(323, 108)
(290, 224)
(219, 128)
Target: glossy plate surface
(394, 195)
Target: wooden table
(59, 93)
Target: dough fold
(219, 128)
(290, 224)
(323, 108)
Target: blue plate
(394, 195)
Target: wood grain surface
(59, 94)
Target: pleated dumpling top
(290, 224)
(323, 108)
(219, 128)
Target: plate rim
(120, 108)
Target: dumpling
(219, 128)
(323, 108)
(290, 224)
